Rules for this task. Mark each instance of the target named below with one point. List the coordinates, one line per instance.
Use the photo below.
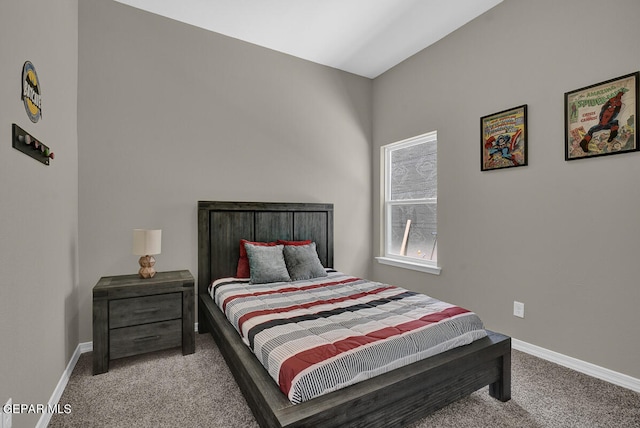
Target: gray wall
(39, 204)
(170, 114)
(562, 237)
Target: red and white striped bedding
(319, 335)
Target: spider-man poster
(601, 119)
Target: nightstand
(132, 315)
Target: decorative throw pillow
(283, 242)
(243, 262)
(266, 264)
(303, 262)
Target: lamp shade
(146, 242)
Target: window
(410, 228)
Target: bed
(395, 398)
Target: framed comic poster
(601, 119)
(503, 139)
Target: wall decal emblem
(31, 92)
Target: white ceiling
(365, 37)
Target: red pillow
(243, 261)
(283, 242)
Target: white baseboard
(62, 383)
(578, 365)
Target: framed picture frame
(503, 139)
(601, 119)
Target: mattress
(319, 335)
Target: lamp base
(146, 267)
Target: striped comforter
(316, 336)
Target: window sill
(434, 270)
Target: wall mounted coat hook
(31, 146)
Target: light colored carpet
(167, 389)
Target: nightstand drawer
(127, 341)
(143, 310)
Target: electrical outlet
(6, 416)
(518, 309)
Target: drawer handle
(146, 311)
(146, 338)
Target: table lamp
(146, 243)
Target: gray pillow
(266, 264)
(303, 262)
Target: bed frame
(391, 399)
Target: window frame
(429, 266)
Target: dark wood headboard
(221, 225)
